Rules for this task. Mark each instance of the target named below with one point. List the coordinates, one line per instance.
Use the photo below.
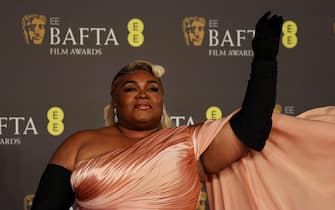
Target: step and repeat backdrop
(58, 59)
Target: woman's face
(138, 100)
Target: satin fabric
(296, 170)
(157, 172)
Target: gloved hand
(267, 36)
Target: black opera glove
(253, 123)
(54, 191)
(267, 37)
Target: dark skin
(138, 98)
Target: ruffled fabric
(296, 169)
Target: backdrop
(58, 59)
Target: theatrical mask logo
(34, 28)
(203, 201)
(194, 30)
(277, 109)
(28, 201)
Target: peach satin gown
(296, 170)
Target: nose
(142, 94)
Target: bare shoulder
(100, 141)
(66, 153)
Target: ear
(114, 102)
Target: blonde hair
(157, 70)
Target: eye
(129, 89)
(153, 89)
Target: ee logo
(213, 113)
(290, 29)
(135, 36)
(55, 125)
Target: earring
(115, 115)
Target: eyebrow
(134, 82)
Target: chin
(147, 124)
(144, 127)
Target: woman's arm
(54, 191)
(250, 127)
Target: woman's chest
(150, 172)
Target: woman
(139, 163)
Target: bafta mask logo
(28, 201)
(277, 109)
(194, 30)
(34, 28)
(202, 201)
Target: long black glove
(54, 191)
(252, 124)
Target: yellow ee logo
(135, 36)
(213, 113)
(55, 116)
(290, 29)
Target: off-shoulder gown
(296, 170)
